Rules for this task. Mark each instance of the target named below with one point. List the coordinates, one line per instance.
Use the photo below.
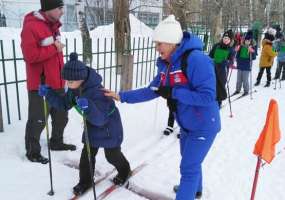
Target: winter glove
(164, 91)
(172, 104)
(237, 48)
(82, 103)
(251, 49)
(43, 90)
(232, 66)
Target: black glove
(172, 104)
(164, 91)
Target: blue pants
(194, 147)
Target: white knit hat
(168, 31)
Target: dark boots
(80, 188)
(168, 130)
(37, 158)
(121, 180)
(267, 84)
(198, 194)
(62, 147)
(256, 83)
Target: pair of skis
(130, 186)
(237, 98)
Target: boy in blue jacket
(104, 126)
(192, 99)
(279, 46)
(245, 55)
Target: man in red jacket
(42, 51)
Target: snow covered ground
(228, 169)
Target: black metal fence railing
(13, 73)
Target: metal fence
(13, 76)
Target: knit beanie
(270, 34)
(248, 35)
(74, 69)
(50, 4)
(229, 34)
(168, 31)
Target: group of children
(243, 49)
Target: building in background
(99, 12)
(148, 11)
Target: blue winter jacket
(103, 119)
(243, 61)
(197, 109)
(279, 46)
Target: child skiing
(104, 126)
(245, 55)
(222, 54)
(279, 46)
(267, 57)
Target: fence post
(127, 72)
(1, 116)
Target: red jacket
(40, 53)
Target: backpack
(184, 63)
(221, 92)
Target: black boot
(62, 147)
(80, 188)
(37, 158)
(198, 194)
(235, 93)
(121, 180)
(267, 84)
(168, 130)
(256, 83)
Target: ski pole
(228, 90)
(250, 65)
(87, 143)
(51, 192)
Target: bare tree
(122, 27)
(122, 32)
(86, 40)
(178, 8)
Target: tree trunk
(122, 28)
(250, 12)
(122, 32)
(86, 40)
(268, 10)
(217, 27)
(283, 14)
(178, 8)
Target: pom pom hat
(168, 31)
(74, 69)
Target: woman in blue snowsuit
(193, 97)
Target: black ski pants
(36, 123)
(113, 155)
(260, 73)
